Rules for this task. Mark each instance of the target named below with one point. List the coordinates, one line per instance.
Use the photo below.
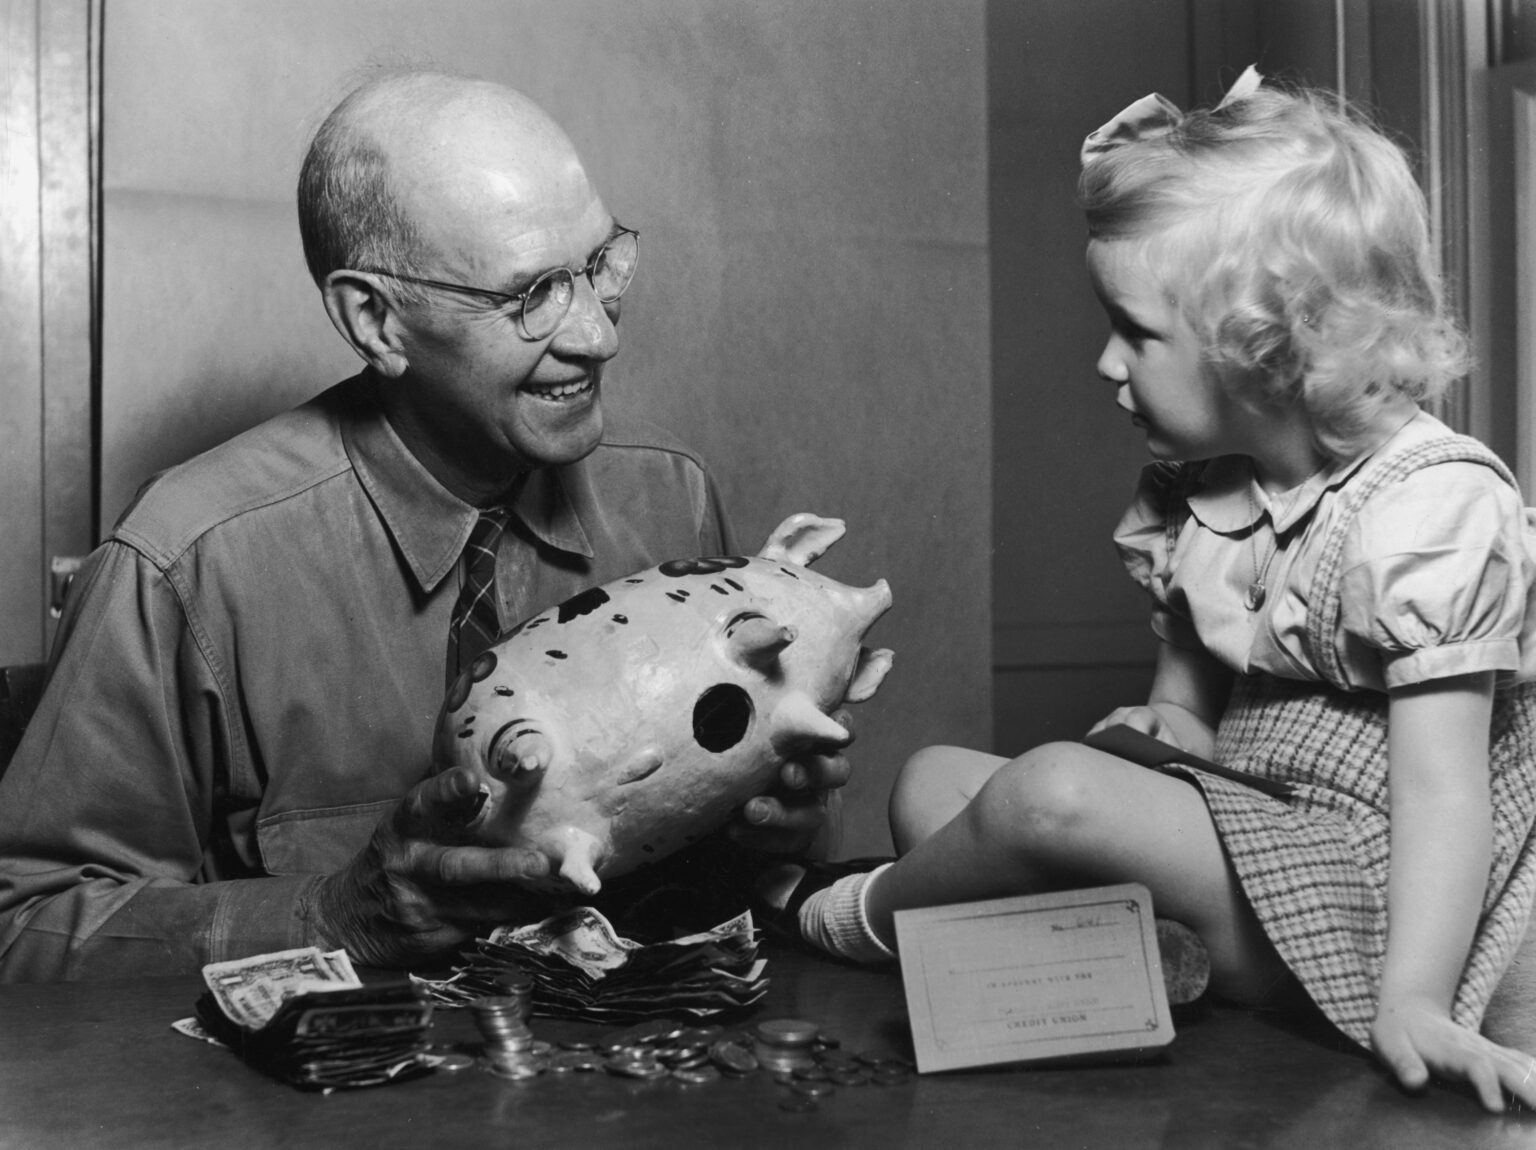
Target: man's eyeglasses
(544, 302)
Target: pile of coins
(809, 1063)
(694, 1055)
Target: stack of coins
(510, 1048)
(784, 1045)
(514, 982)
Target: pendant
(1255, 597)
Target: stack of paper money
(581, 968)
(305, 1017)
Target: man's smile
(566, 392)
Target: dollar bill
(581, 936)
(250, 990)
(192, 1028)
(581, 968)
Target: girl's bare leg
(934, 786)
(1065, 816)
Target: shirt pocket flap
(317, 841)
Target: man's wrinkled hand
(802, 813)
(413, 894)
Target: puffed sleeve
(1436, 578)
(1143, 539)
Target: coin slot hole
(722, 717)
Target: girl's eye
(1135, 333)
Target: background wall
(811, 314)
(1072, 638)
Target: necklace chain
(1258, 590)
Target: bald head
(403, 152)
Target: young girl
(1341, 587)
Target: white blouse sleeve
(1436, 576)
(1142, 538)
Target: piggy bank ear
(801, 539)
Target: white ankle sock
(835, 919)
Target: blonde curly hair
(1292, 234)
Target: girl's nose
(1111, 366)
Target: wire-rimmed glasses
(544, 302)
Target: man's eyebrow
(524, 282)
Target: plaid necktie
(475, 622)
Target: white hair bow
(1155, 115)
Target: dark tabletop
(97, 1064)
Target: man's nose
(587, 330)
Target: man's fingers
(793, 775)
(450, 799)
(815, 773)
(789, 823)
(797, 812)
(450, 866)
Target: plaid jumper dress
(1314, 866)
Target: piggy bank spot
(477, 671)
(704, 565)
(721, 717)
(458, 693)
(583, 604)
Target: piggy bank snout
(867, 604)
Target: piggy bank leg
(579, 854)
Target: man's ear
(367, 319)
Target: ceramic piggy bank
(635, 717)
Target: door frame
(50, 307)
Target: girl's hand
(1144, 719)
(1189, 692)
(1415, 1039)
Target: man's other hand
(410, 896)
(802, 814)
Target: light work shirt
(249, 671)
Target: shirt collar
(1231, 500)
(430, 524)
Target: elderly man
(229, 756)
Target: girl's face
(1153, 356)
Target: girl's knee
(933, 786)
(1045, 798)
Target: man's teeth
(562, 390)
